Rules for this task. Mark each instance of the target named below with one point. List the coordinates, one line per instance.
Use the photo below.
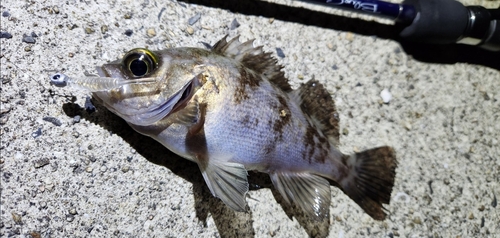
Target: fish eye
(140, 62)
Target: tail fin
(370, 180)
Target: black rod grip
(437, 21)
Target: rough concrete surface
(67, 171)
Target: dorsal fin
(253, 58)
(316, 102)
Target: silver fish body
(230, 109)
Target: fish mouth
(186, 94)
(174, 103)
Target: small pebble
(234, 24)
(93, 159)
(35, 234)
(386, 95)
(127, 15)
(88, 169)
(76, 119)
(104, 29)
(271, 20)
(41, 162)
(72, 211)
(494, 201)
(486, 96)
(56, 9)
(89, 107)
(5, 14)
(89, 30)
(29, 40)
(70, 218)
(125, 169)
(349, 36)
(16, 217)
(27, 49)
(53, 120)
(33, 34)
(407, 125)
(345, 131)
(280, 53)
(151, 32)
(189, 30)
(5, 35)
(192, 20)
(128, 32)
(103, 169)
(75, 134)
(37, 133)
(71, 27)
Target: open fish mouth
(155, 112)
(186, 94)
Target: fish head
(176, 78)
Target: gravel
(107, 181)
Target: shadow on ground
(229, 223)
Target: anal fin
(310, 192)
(227, 181)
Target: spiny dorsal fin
(316, 102)
(253, 58)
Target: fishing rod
(433, 21)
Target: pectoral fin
(227, 181)
(189, 115)
(310, 192)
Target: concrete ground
(71, 172)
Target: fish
(230, 109)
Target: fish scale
(230, 109)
